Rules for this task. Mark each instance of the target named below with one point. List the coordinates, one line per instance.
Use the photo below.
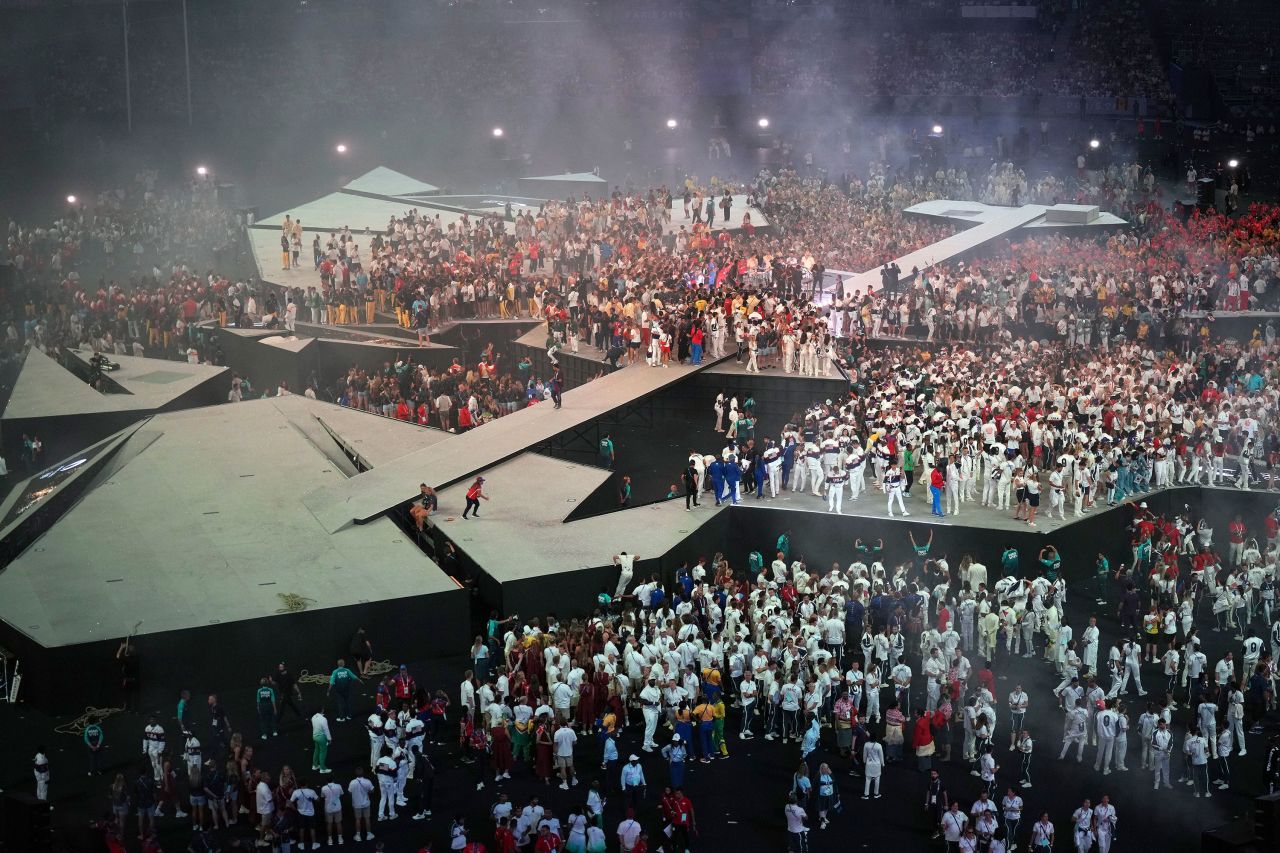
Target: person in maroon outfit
(501, 750)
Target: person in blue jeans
(936, 483)
(704, 717)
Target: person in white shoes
(893, 480)
(747, 696)
(386, 770)
(1104, 823)
(374, 726)
(1161, 748)
(331, 793)
(565, 738)
(872, 766)
(1082, 826)
(361, 790)
(304, 800)
(264, 803)
(1011, 811)
(153, 742)
(1105, 725)
(1225, 738)
(1074, 731)
(1197, 751)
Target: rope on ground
(90, 716)
(376, 668)
(293, 603)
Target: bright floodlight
(937, 128)
(1093, 143)
(71, 199)
(1233, 163)
(764, 122)
(671, 123)
(340, 148)
(497, 132)
(201, 171)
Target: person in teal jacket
(95, 739)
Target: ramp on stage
(533, 562)
(376, 491)
(989, 223)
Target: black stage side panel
(266, 366)
(25, 823)
(1235, 837)
(1266, 820)
(573, 593)
(63, 435)
(66, 679)
(209, 393)
(335, 357)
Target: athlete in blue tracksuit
(716, 472)
(757, 465)
(732, 474)
(788, 459)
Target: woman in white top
(577, 839)
(1042, 833)
(872, 765)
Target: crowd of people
(132, 271)
(455, 399)
(891, 660)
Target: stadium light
(671, 123)
(763, 122)
(1233, 163)
(1093, 143)
(497, 133)
(202, 171)
(71, 199)
(937, 128)
(341, 148)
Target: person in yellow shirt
(717, 730)
(704, 714)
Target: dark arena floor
(406, 316)
(738, 799)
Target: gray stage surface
(174, 535)
(47, 389)
(522, 535)
(375, 491)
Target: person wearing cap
(633, 782)
(676, 753)
(475, 493)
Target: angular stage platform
(376, 491)
(58, 404)
(989, 222)
(190, 558)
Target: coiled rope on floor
(376, 668)
(293, 603)
(90, 716)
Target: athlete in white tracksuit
(893, 488)
(374, 726)
(813, 464)
(153, 746)
(772, 460)
(651, 703)
(386, 772)
(857, 474)
(835, 489)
